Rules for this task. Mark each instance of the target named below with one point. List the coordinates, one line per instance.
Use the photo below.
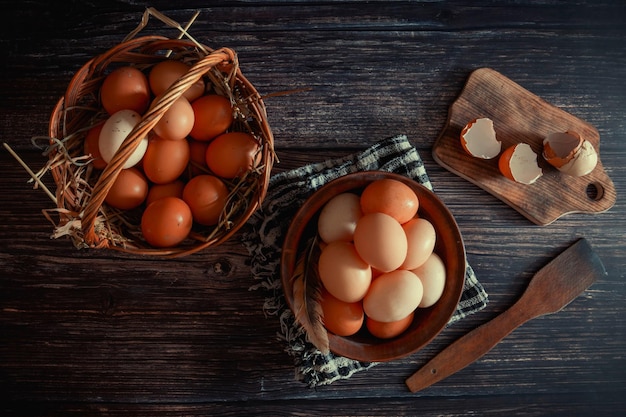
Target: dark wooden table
(101, 333)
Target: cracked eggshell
(519, 163)
(478, 139)
(570, 153)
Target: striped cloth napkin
(263, 237)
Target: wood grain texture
(520, 116)
(101, 333)
(551, 289)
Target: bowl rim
(380, 350)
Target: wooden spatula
(552, 288)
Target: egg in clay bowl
(390, 264)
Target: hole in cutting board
(595, 191)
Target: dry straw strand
(81, 190)
(30, 172)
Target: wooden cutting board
(520, 116)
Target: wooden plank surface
(100, 333)
(519, 116)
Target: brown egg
(391, 197)
(176, 122)
(172, 189)
(197, 157)
(206, 195)
(126, 88)
(232, 154)
(390, 329)
(129, 190)
(340, 317)
(213, 116)
(163, 75)
(91, 146)
(166, 222)
(165, 160)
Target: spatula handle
(552, 288)
(468, 348)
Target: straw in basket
(81, 190)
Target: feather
(307, 293)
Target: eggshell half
(478, 138)
(570, 153)
(519, 163)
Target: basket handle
(140, 131)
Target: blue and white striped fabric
(264, 233)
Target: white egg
(432, 274)
(342, 271)
(380, 241)
(421, 237)
(393, 296)
(338, 218)
(115, 130)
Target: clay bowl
(428, 322)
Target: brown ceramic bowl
(428, 322)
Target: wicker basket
(81, 190)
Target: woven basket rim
(144, 51)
